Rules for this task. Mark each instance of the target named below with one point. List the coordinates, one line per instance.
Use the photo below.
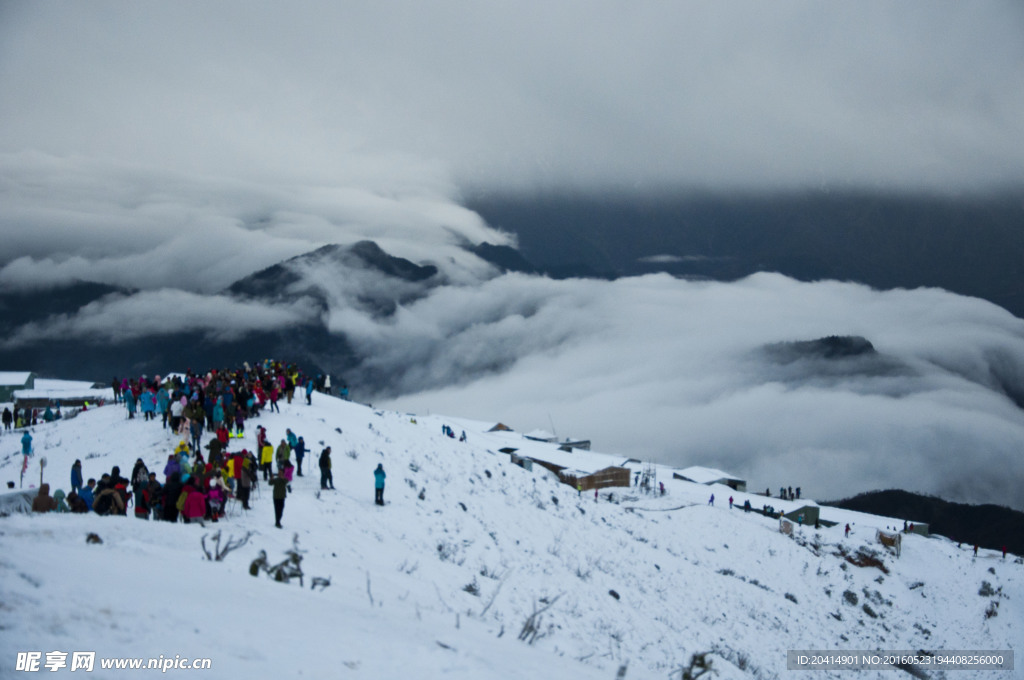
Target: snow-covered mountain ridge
(440, 581)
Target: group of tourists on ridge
(197, 487)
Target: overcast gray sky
(499, 96)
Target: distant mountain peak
(831, 347)
(276, 280)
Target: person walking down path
(26, 444)
(280, 486)
(379, 476)
(711, 501)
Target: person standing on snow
(280, 486)
(76, 476)
(711, 501)
(326, 477)
(379, 476)
(163, 404)
(147, 404)
(129, 401)
(266, 459)
(300, 453)
(283, 456)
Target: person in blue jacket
(147, 404)
(163, 404)
(309, 391)
(76, 476)
(218, 413)
(26, 444)
(86, 494)
(379, 476)
(300, 453)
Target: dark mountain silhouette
(832, 347)
(505, 258)
(988, 526)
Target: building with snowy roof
(15, 380)
(66, 393)
(704, 475)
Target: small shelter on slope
(806, 515)
(703, 475)
(601, 479)
(541, 436)
(500, 427)
(64, 393)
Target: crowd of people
(199, 480)
(20, 417)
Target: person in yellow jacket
(266, 459)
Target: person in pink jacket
(195, 504)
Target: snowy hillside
(440, 581)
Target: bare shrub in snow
(699, 666)
(448, 552)
(531, 631)
(219, 551)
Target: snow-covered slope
(440, 581)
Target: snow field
(442, 586)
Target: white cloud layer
(123, 318)
(673, 371)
